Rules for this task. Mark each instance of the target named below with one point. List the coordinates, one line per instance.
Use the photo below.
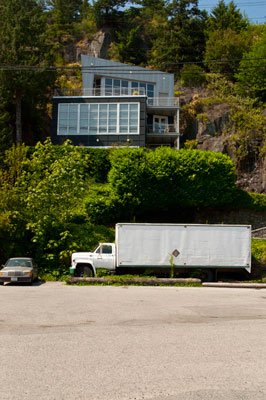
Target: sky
(254, 9)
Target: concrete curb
(128, 281)
(235, 285)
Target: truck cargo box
(184, 245)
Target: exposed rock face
(210, 143)
(215, 126)
(209, 135)
(97, 47)
(255, 180)
(209, 132)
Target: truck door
(104, 257)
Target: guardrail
(163, 102)
(166, 129)
(259, 233)
(118, 92)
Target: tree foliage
(227, 16)
(251, 75)
(192, 75)
(107, 11)
(22, 42)
(181, 38)
(228, 47)
(41, 204)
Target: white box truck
(142, 246)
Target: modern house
(119, 104)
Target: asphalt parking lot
(124, 343)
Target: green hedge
(258, 250)
(98, 163)
(249, 201)
(142, 181)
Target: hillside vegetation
(53, 202)
(58, 199)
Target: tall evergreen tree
(181, 37)
(106, 11)
(65, 13)
(228, 47)
(22, 43)
(136, 31)
(252, 72)
(227, 16)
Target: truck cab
(86, 263)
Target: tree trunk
(18, 118)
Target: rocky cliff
(207, 122)
(98, 46)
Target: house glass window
(119, 87)
(68, 119)
(108, 87)
(84, 119)
(95, 119)
(124, 87)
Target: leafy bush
(98, 163)
(101, 205)
(258, 250)
(192, 75)
(251, 201)
(251, 75)
(191, 144)
(143, 181)
(250, 126)
(226, 45)
(41, 210)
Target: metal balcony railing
(161, 102)
(162, 130)
(112, 91)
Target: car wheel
(1, 283)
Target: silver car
(20, 269)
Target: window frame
(98, 127)
(133, 86)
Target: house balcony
(107, 92)
(162, 102)
(162, 135)
(152, 102)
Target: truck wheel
(208, 275)
(87, 271)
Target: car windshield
(18, 263)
